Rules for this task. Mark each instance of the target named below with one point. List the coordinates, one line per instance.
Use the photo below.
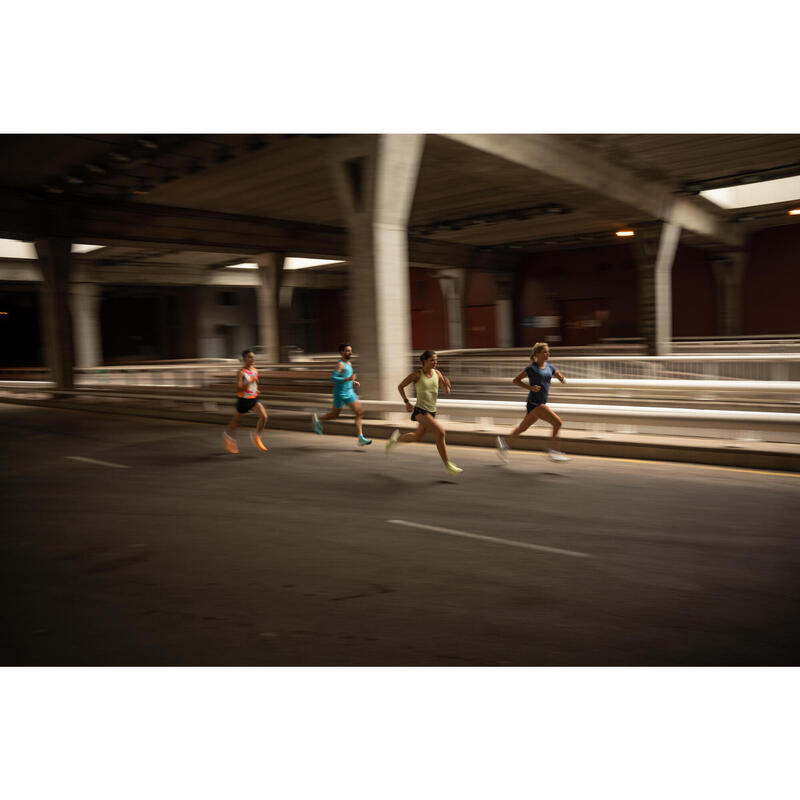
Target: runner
(427, 382)
(246, 399)
(344, 386)
(539, 373)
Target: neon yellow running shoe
(452, 468)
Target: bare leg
(262, 418)
(413, 436)
(359, 412)
(430, 424)
(233, 424)
(527, 421)
(548, 415)
(332, 414)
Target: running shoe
(392, 440)
(230, 444)
(556, 455)
(316, 424)
(502, 449)
(362, 440)
(452, 468)
(257, 442)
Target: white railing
(758, 367)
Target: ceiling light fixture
(243, 265)
(625, 232)
(794, 212)
(96, 168)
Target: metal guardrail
(491, 416)
(761, 367)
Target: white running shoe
(392, 440)
(556, 455)
(316, 424)
(502, 449)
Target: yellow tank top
(427, 391)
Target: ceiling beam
(553, 156)
(148, 225)
(145, 225)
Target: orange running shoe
(258, 443)
(230, 444)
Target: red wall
(603, 278)
(771, 285)
(428, 311)
(480, 319)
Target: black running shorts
(244, 404)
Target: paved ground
(185, 555)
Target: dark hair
(342, 346)
(245, 352)
(426, 355)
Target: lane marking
(493, 539)
(95, 461)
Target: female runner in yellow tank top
(427, 382)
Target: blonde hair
(537, 348)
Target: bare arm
(412, 378)
(444, 383)
(526, 386)
(558, 375)
(336, 375)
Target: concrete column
(655, 288)
(504, 306)
(452, 282)
(270, 271)
(85, 307)
(376, 177)
(54, 261)
(728, 276)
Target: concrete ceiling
(208, 200)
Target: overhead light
(148, 144)
(96, 168)
(14, 248)
(243, 265)
(86, 248)
(781, 190)
(50, 189)
(625, 232)
(120, 157)
(306, 263)
(75, 180)
(794, 212)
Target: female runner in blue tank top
(539, 373)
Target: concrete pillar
(728, 276)
(655, 288)
(54, 261)
(452, 282)
(504, 313)
(375, 178)
(85, 307)
(270, 272)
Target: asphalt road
(170, 551)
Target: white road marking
(493, 539)
(95, 461)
